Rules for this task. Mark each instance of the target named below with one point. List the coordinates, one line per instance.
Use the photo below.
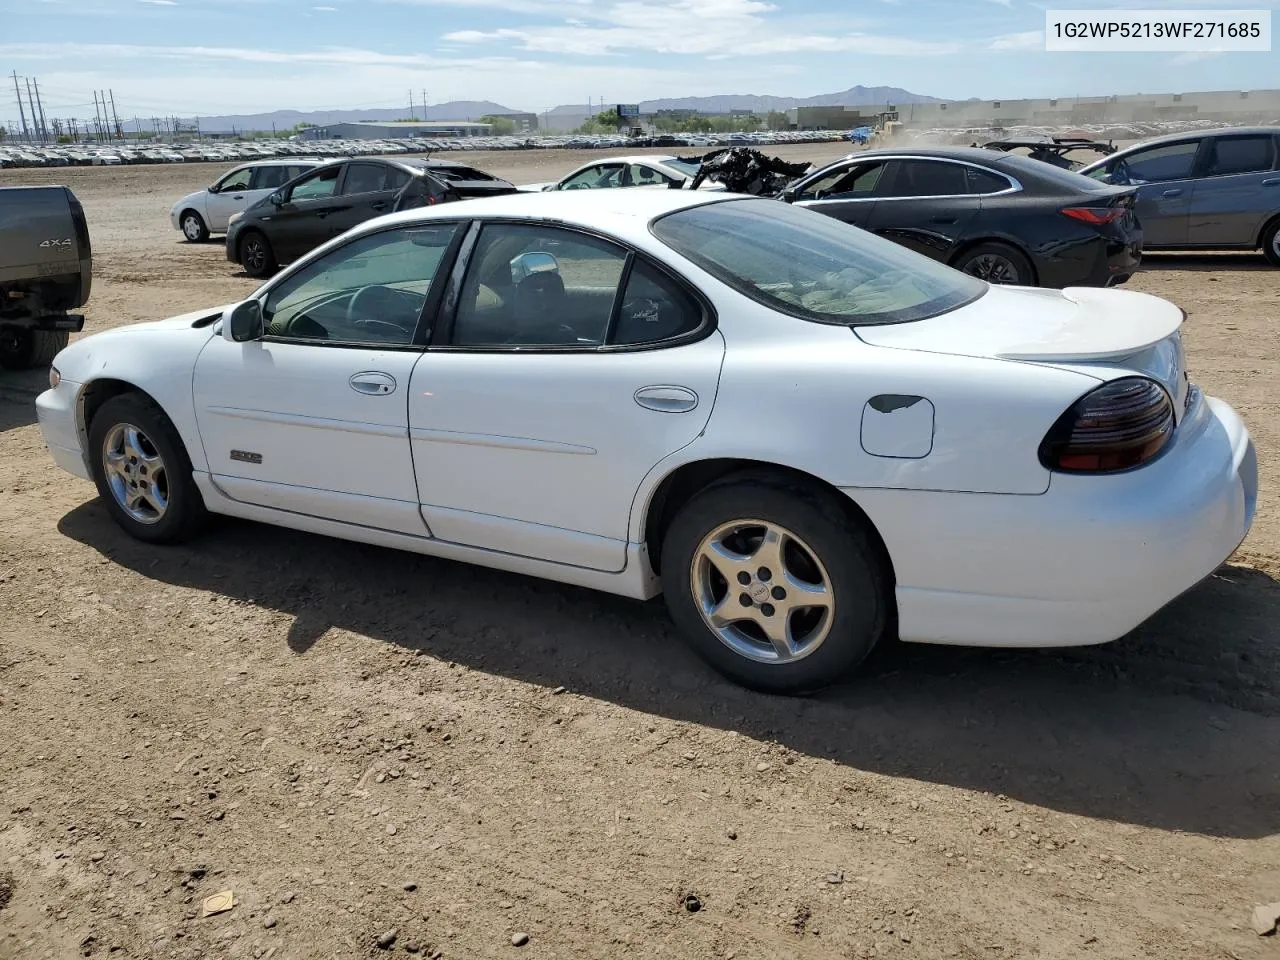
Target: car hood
(190, 198)
(1102, 333)
(184, 321)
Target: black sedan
(1002, 217)
(333, 198)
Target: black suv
(333, 198)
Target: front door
(1163, 175)
(230, 195)
(846, 193)
(568, 371)
(313, 417)
(300, 223)
(926, 206)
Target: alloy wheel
(191, 228)
(255, 254)
(993, 268)
(763, 591)
(135, 473)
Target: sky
(203, 57)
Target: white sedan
(642, 170)
(808, 438)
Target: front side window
(1173, 161)
(803, 263)
(847, 183)
(371, 290)
(639, 175)
(1234, 155)
(594, 178)
(538, 286)
(237, 180)
(322, 183)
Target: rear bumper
(1084, 563)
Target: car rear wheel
(996, 263)
(776, 588)
(1271, 242)
(193, 227)
(142, 471)
(256, 255)
(22, 348)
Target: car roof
(1183, 137)
(970, 154)
(621, 211)
(284, 162)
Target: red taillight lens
(1120, 425)
(1094, 215)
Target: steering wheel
(368, 297)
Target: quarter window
(984, 181)
(536, 286)
(371, 290)
(1230, 155)
(654, 309)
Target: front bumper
(1084, 563)
(56, 411)
(233, 242)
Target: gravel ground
(383, 754)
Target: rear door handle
(380, 205)
(373, 382)
(239, 196)
(1273, 182)
(1172, 193)
(667, 399)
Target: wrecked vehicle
(746, 170)
(1052, 150)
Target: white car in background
(646, 170)
(807, 437)
(207, 211)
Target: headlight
(55, 378)
(234, 217)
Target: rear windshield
(1016, 164)
(813, 266)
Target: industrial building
(395, 129)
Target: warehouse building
(395, 129)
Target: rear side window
(367, 178)
(1228, 155)
(654, 309)
(268, 178)
(926, 178)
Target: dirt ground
(363, 744)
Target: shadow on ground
(18, 392)
(1173, 727)
(1206, 262)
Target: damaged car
(1052, 150)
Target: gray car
(1209, 190)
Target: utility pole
(44, 126)
(411, 113)
(35, 118)
(18, 90)
(97, 118)
(114, 116)
(424, 105)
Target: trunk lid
(1090, 330)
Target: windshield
(812, 266)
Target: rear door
(925, 205)
(846, 192)
(368, 190)
(1237, 190)
(1164, 176)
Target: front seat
(538, 308)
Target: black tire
(857, 577)
(193, 227)
(22, 348)
(997, 263)
(256, 255)
(1271, 242)
(185, 511)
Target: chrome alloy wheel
(1275, 243)
(135, 473)
(993, 268)
(191, 227)
(255, 253)
(762, 591)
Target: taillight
(1094, 215)
(1118, 426)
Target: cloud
(160, 3)
(1027, 40)
(708, 28)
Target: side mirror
(527, 264)
(243, 322)
(277, 198)
(675, 184)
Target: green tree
(605, 122)
(502, 126)
(777, 120)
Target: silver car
(1209, 190)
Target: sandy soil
(357, 741)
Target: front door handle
(380, 205)
(373, 383)
(1273, 182)
(239, 196)
(667, 399)
(1177, 192)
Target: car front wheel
(256, 255)
(194, 228)
(777, 588)
(142, 471)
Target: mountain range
(475, 109)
